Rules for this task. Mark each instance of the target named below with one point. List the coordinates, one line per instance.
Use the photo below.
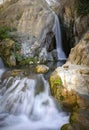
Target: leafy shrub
(17, 46)
(4, 32)
(28, 61)
(19, 57)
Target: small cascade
(2, 67)
(27, 105)
(1, 1)
(57, 32)
(52, 2)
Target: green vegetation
(57, 82)
(65, 127)
(4, 32)
(19, 57)
(17, 46)
(82, 7)
(73, 117)
(29, 61)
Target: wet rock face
(79, 117)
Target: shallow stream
(26, 103)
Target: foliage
(4, 32)
(58, 82)
(19, 57)
(17, 46)
(28, 61)
(82, 7)
(65, 127)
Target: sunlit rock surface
(75, 78)
(80, 53)
(33, 20)
(41, 69)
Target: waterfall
(2, 67)
(57, 32)
(52, 2)
(27, 105)
(1, 1)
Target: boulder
(41, 69)
(69, 84)
(73, 77)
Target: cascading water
(50, 2)
(27, 105)
(1, 1)
(2, 68)
(57, 32)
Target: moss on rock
(66, 127)
(68, 99)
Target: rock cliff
(31, 26)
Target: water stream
(26, 104)
(2, 68)
(60, 53)
(1, 1)
(57, 32)
(25, 101)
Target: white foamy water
(27, 105)
(57, 32)
(2, 68)
(51, 2)
(1, 1)
(56, 29)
